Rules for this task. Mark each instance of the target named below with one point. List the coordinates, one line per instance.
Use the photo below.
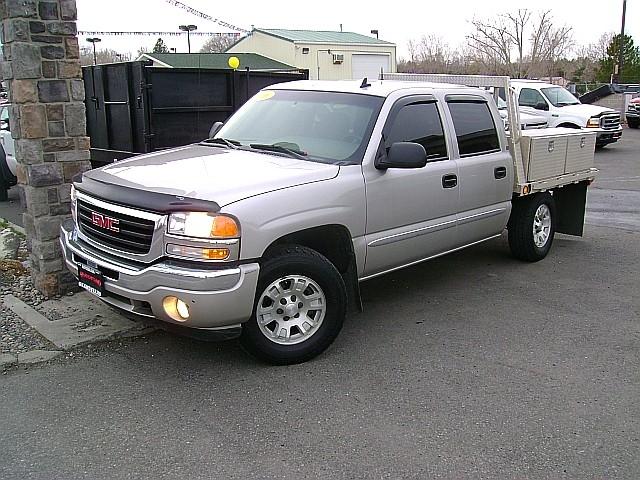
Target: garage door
(368, 66)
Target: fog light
(177, 309)
(197, 252)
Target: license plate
(91, 280)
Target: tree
(519, 45)
(102, 56)
(160, 47)
(631, 60)
(217, 44)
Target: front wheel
(532, 227)
(299, 308)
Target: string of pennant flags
(197, 13)
(168, 34)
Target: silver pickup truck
(266, 229)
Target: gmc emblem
(107, 223)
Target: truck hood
(585, 111)
(212, 173)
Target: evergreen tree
(631, 61)
(160, 47)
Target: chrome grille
(610, 122)
(133, 234)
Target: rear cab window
(475, 128)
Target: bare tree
(217, 44)
(537, 44)
(102, 56)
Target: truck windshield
(559, 96)
(328, 127)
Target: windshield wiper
(233, 144)
(292, 152)
(564, 104)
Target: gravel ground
(18, 337)
(15, 335)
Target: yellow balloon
(234, 62)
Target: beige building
(327, 55)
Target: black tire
(4, 191)
(302, 261)
(633, 123)
(521, 227)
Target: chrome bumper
(608, 136)
(216, 298)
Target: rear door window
(475, 129)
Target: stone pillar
(42, 69)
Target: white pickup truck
(562, 109)
(7, 154)
(266, 229)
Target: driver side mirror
(4, 126)
(403, 155)
(541, 106)
(215, 128)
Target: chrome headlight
(203, 225)
(594, 122)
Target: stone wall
(42, 68)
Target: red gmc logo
(105, 222)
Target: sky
(397, 22)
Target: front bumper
(217, 299)
(605, 136)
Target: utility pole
(618, 72)
(93, 41)
(188, 29)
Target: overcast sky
(397, 21)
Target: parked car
(7, 154)
(266, 229)
(562, 109)
(633, 113)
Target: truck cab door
(411, 213)
(531, 101)
(485, 169)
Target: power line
(197, 13)
(168, 34)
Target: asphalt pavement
(12, 209)
(473, 365)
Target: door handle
(449, 181)
(500, 172)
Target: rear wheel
(299, 308)
(532, 227)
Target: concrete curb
(69, 332)
(13, 226)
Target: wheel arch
(569, 125)
(333, 241)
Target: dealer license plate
(91, 280)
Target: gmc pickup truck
(265, 229)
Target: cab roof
(378, 88)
